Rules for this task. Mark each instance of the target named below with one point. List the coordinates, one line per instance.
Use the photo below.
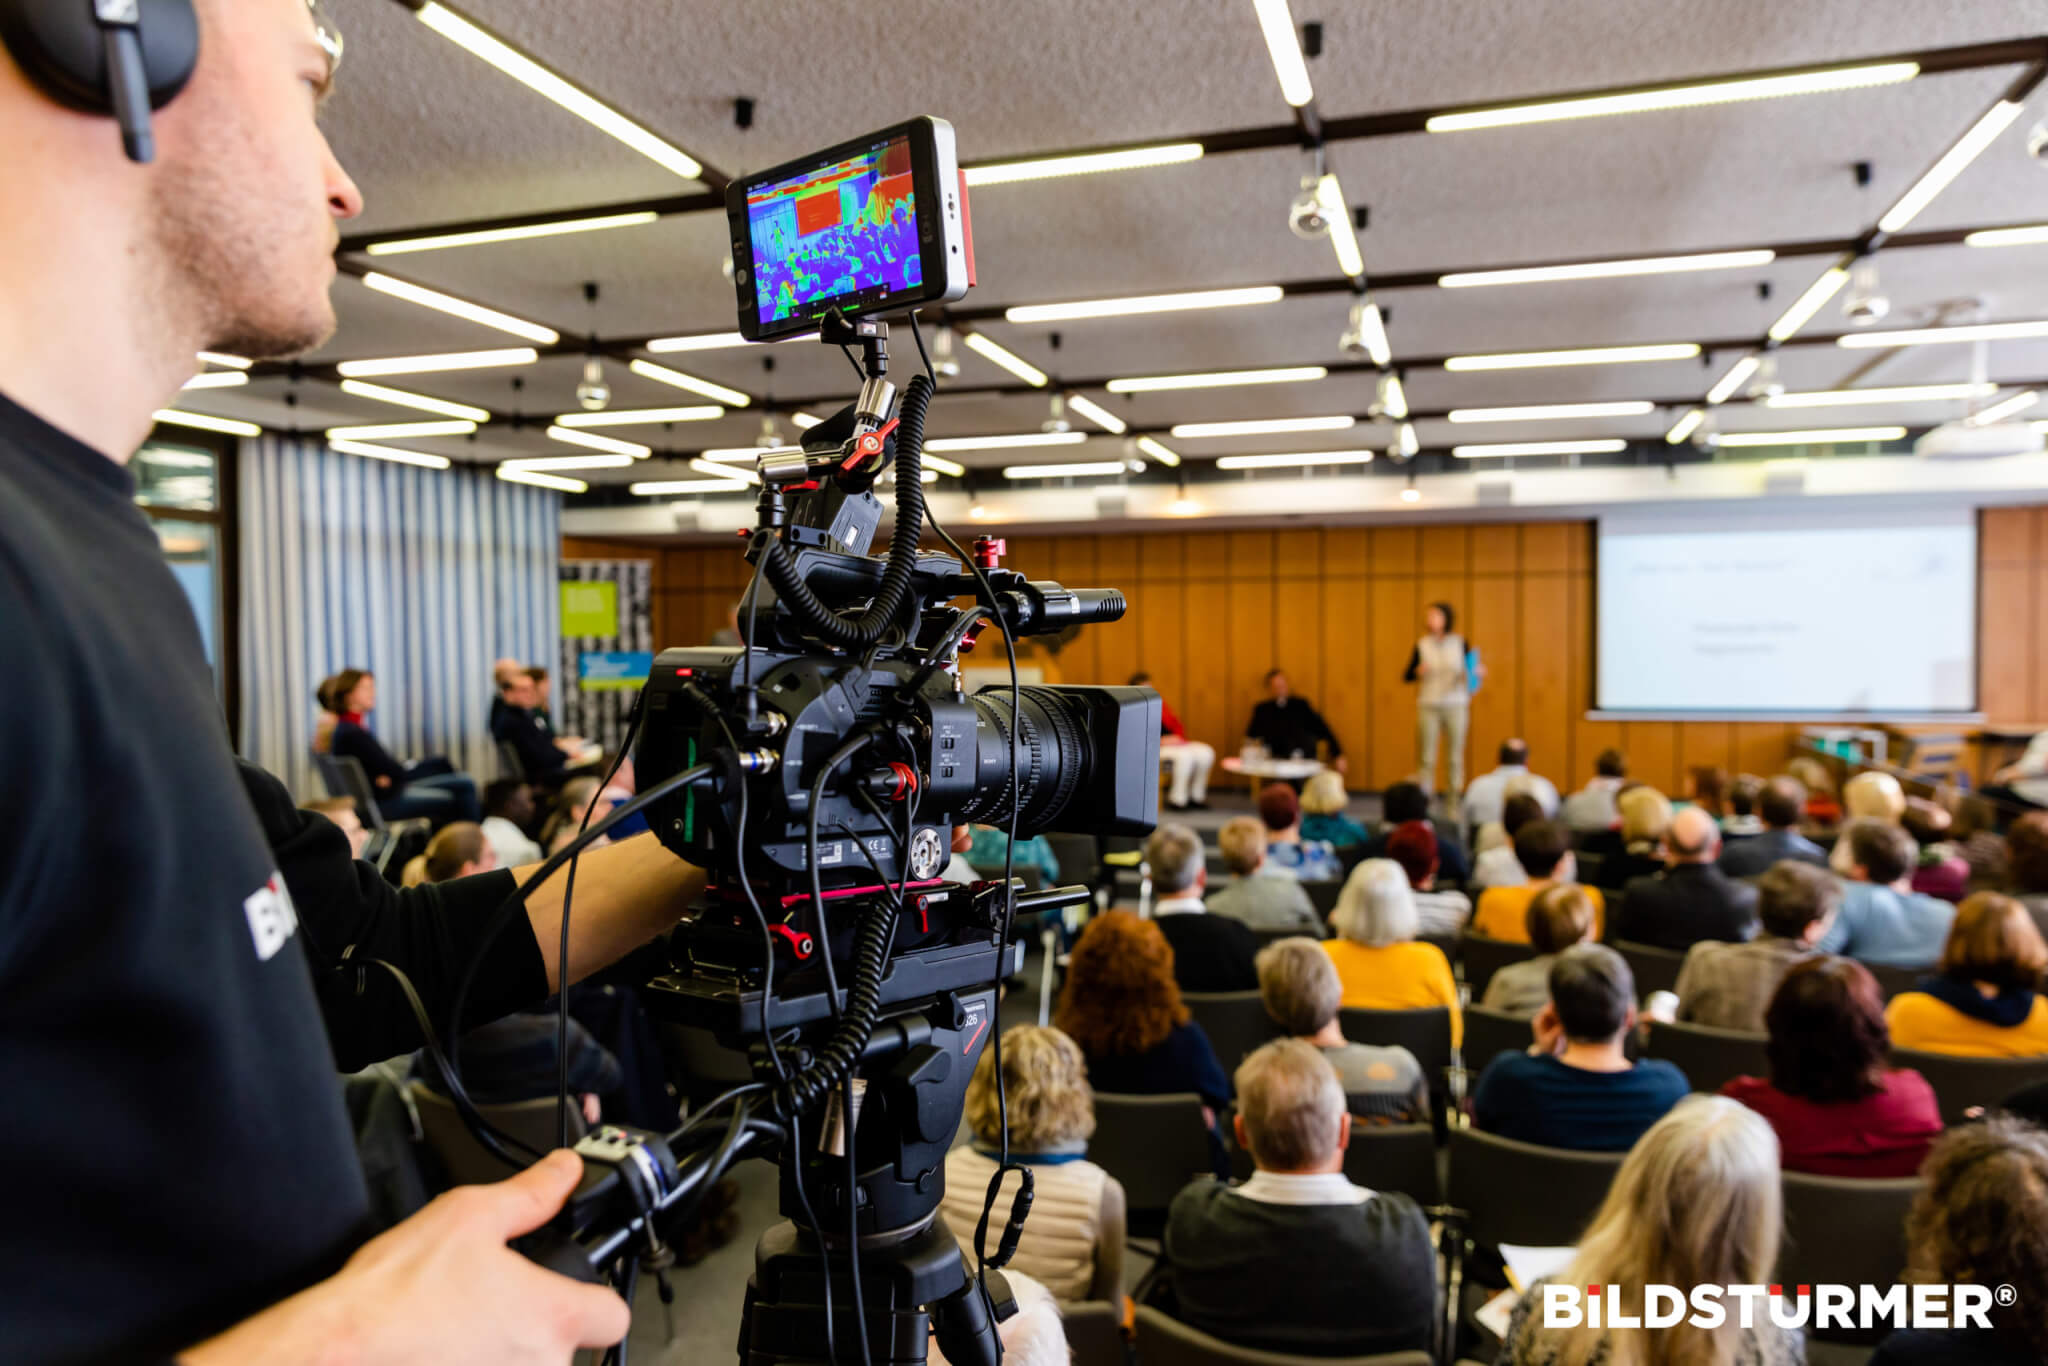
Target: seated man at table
(1544, 849)
(1288, 726)
(1259, 894)
(1298, 1259)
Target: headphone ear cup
(60, 46)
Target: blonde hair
(1645, 815)
(1298, 984)
(1292, 1104)
(1875, 795)
(1324, 795)
(1696, 1202)
(1242, 841)
(1046, 1081)
(1377, 906)
(1812, 773)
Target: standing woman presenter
(1449, 672)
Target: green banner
(590, 608)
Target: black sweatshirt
(1289, 729)
(176, 1148)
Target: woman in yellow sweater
(1985, 1000)
(1378, 959)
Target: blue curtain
(421, 576)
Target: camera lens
(1054, 757)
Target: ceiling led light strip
(1006, 359)
(715, 341)
(1222, 379)
(398, 455)
(1686, 426)
(402, 398)
(447, 360)
(397, 431)
(1954, 161)
(1343, 237)
(1939, 336)
(1543, 412)
(1292, 460)
(1607, 270)
(1143, 303)
(1265, 426)
(216, 379)
(2004, 408)
(570, 462)
(1096, 413)
(460, 308)
(1678, 96)
(1372, 330)
(1086, 163)
(1276, 23)
(485, 236)
(1165, 455)
(1813, 437)
(638, 417)
(206, 422)
(716, 470)
(1589, 355)
(1394, 398)
(1806, 305)
(1086, 467)
(732, 398)
(610, 445)
(1481, 452)
(1737, 375)
(223, 358)
(2008, 237)
(997, 443)
(941, 465)
(548, 85)
(1909, 393)
(512, 474)
(658, 487)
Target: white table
(1273, 770)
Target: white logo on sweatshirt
(271, 917)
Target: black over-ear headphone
(119, 57)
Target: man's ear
(1343, 1131)
(1244, 1139)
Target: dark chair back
(510, 765)
(1425, 1032)
(1323, 895)
(1522, 1193)
(1844, 1231)
(1164, 1341)
(1482, 957)
(1590, 862)
(1079, 859)
(1395, 1157)
(1266, 937)
(1445, 944)
(1709, 1057)
(352, 781)
(1095, 1332)
(1154, 1145)
(1235, 1021)
(1891, 981)
(1488, 1034)
(467, 1162)
(1960, 1083)
(1655, 969)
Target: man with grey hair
(1692, 899)
(1210, 952)
(1298, 1259)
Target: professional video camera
(817, 774)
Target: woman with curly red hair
(1122, 1006)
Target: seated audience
(1074, 1240)
(1378, 959)
(1883, 920)
(1837, 1108)
(1780, 807)
(342, 811)
(518, 721)
(1978, 843)
(1742, 819)
(1560, 916)
(1940, 870)
(1691, 899)
(1121, 1005)
(1437, 912)
(1575, 1087)
(1311, 861)
(2024, 782)
(1984, 1000)
(1823, 808)
(429, 788)
(1187, 761)
(1496, 864)
(1982, 1217)
(1728, 985)
(1297, 1259)
(1405, 801)
(988, 845)
(1322, 803)
(1544, 849)
(1259, 895)
(1592, 807)
(1645, 818)
(457, 850)
(509, 812)
(2027, 858)
(581, 803)
(1210, 952)
(1299, 986)
(1706, 787)
(1487, 795)
(1697, 1202)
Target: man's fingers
(531, 1198)
(595, 1316)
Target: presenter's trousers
(1449, 720)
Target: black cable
(846, 350)
(860, 1312)
(854, 745)
(746, 883)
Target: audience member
(2027, 857)
(988, 844)
(1121, 1005)
(1260, 895)
(1301, 991)
(1645, 819)
(1575, 1087)
(1311, 861)
(518, 1058)
(1074, 1240)
(1544, 849)
(342, 811)
(1706, 787)
(1297, 1259)
(517, 720)
(1592, 807)
(1322, 803)
(1558, 917)
(1823, 808)
(1210, 952)
(509, 812)
(1873, 795)
(1405, 801)
(1883, 920)
(1780, 806)
(1438, 911)
(1288, 726)
(581, 803)
(2024, 781)
(429, 787)
(1979, 844)
(1728, 985)
(1691, 899)
(1742, 820)
(1984, 1001)
(1697, 1202)
(458, 850)
(1187, 761)
(1378, 959)
(1487, 795)
(1939, 870)
(1496, 864)
(503, 671)
(1981, 1217)
(1838, 1110)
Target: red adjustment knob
(989, 551)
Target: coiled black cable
(836, 1058)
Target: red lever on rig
(989, 551)
(799, 942)
(871, 444)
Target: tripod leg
(961, 1322)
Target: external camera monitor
(875, 225)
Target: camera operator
(182, 1175)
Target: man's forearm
(626, 893)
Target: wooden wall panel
(1544, 671)
(1298, 553)
(2005, 644)
(1762, 747)
(1243, 650)
(1496, 550)
(1157, 610)
(1395, 550)
(1547, 547)
(1652, 749)
(1389, 750)
(1705, 744)
(1495, 629)
(1346, 698)
(2006, 535)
